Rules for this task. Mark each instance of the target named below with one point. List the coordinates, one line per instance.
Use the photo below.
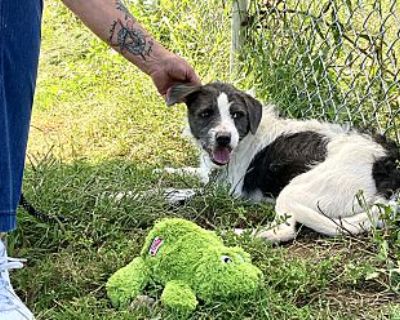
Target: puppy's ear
(251, 92)
(180, 93)
(254, 109)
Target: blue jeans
(20, 22)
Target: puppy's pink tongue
(221, 155)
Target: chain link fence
(331, 59)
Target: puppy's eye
(206, 113)
(226, 259)
(237, 115)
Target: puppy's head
(219, 115)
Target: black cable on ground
(39, 214)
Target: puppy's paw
(168, 170)
(242, 232)
(238, 231)
(276, 235)
(270, 235)
(179, 196)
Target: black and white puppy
(315, 172)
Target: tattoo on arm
(127, 38)
(120, 6)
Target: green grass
(99, 127)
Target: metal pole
(238, 29)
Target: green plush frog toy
(189, 262)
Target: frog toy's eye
(226, 259)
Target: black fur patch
(285, 158)
(386, 171)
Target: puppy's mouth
(221, 155)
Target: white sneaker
(11, 307)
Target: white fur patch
(227, 123)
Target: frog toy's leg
(128, 282)
(179, 298)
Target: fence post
(238, 29)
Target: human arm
(111, 21)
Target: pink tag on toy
(156, 244)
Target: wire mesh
(330, 59)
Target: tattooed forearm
(120, 6)
(128, 38)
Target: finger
(194, 78)
(160, 85)
(183, 73)
(166, 96)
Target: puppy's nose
(223, 138)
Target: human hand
(171, 70)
